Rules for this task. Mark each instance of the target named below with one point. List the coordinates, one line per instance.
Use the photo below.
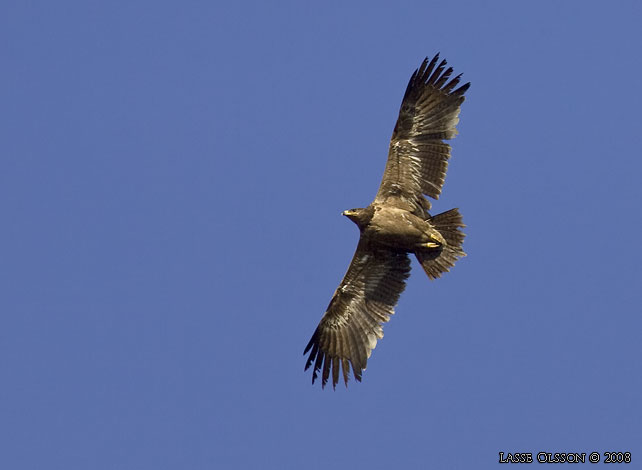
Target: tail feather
(437, 262)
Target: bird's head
(360, 216)
(351, 212)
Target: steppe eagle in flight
(394, 225)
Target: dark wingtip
(432, 71)
(322, 365)
(314, 345)
(356, 371)
(461, 90)
(315, 355)
(311, 342)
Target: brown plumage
(395, 224)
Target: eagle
(396, 224)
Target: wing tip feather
(433, 72)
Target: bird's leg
(430, 245)
(436, 240)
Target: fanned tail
(436, 262)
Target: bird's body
(400, 229)
(397, 223)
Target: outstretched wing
(418, 156)
(351, 326)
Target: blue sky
(171, 181)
